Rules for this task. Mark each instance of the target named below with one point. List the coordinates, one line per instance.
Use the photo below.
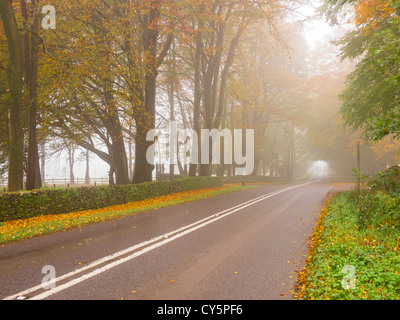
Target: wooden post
(358, 169)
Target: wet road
(243, 245)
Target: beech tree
(15, 73)
(116, 77)
(31, 16)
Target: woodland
(108, 71)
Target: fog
(278, 74)
(319, 170)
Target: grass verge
(354, 250)
(32, 227)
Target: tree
(15, 73)
(218, 28)
(4, 132)
(31, 21)
(370, 99)
(101, 71)
(153, 58)
(270, 95)
(80, 97)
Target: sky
(316, 29)
(317, 32)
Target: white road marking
(154, 243)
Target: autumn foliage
(21, 205)
(369, 13)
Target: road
(244, 245)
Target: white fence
(51, 182)
(62, 182)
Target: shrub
(388, 180)
(22, 205)
(375, 209)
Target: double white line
(112, 260)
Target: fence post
(358, 169)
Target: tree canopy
(109, 72)
(371, 97)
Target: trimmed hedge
(22, 205)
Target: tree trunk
(42, 162)
(120, 161)
(111, 175)
(130, 156)
(33, 179)
(208, 80)
(171, 92)
(205, 168)
(146, 120)
(117, 148)
(143, 169)
(197, 97)
(71, 160)
(15, 81)
(87, 173)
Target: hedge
(22, 205)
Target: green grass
(362, 233)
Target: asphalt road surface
(244, 245)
